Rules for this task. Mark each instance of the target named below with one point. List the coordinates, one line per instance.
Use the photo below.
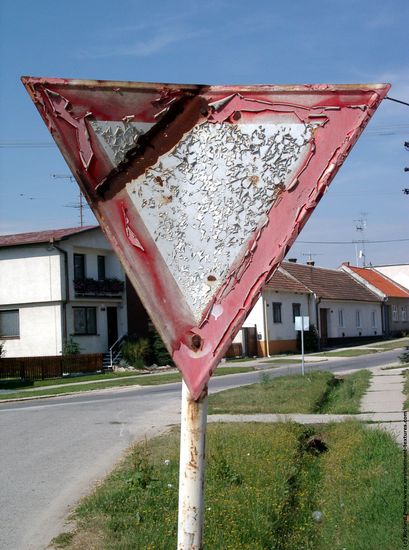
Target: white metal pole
(302, 345)
(191, 471)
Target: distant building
(58, 284)
(395, 298)
(342, 309)
(399, 273)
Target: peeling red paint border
(67, 106)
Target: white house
(341, 309)
(59, 284)
(269, 327)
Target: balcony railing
(92, 287)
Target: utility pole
(405, 190)
(80, 205)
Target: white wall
(285, 330)
(255, 318)
(40, 332)
(30, 274)
(349, 314)
(97, 343)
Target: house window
(9, 323)
(79, 266)
(341, 318)
(395, 313)
(296, 311)
(85, 320)
(403, 313)
(276, 312)
(373, 319)
(101, 268)
(358, 318)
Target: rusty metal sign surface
(201, 190)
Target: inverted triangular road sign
(201, 190)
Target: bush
(404, 357)
(135, 352)
(70, 347)
(159, 354)
(311, 340)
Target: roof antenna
(80, 204)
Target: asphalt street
(54, 450)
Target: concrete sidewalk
(384, 398)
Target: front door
(324, 326)
(112, 323)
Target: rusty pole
(191, 470)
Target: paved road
(52, 451)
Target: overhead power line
(397, 100)
(353, 242)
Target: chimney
(292, 260)
(311, 263)
(347, 264)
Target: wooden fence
(52, 366)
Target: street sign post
(302, 323)
(201, 190)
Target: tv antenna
(80, 204)
(360, 227)
(310, 256)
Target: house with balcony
(395, 298)
(59, 284)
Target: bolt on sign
(201, 190)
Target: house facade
(345, 310)
(272, 318)
(395, 298)
(342, 310)
(59, 284)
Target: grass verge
(316, 392)
(138, 380)
(346, 393)
(396, 344)
(264, 487)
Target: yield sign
(201, 190)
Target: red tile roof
(284, 282)
(330, 284)
(42, 236)
(381, 282)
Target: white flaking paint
(202, 201)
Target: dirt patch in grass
(279, 486)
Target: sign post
(302, 323)
(201, 191)
(192, 470)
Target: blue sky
(213, 42)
